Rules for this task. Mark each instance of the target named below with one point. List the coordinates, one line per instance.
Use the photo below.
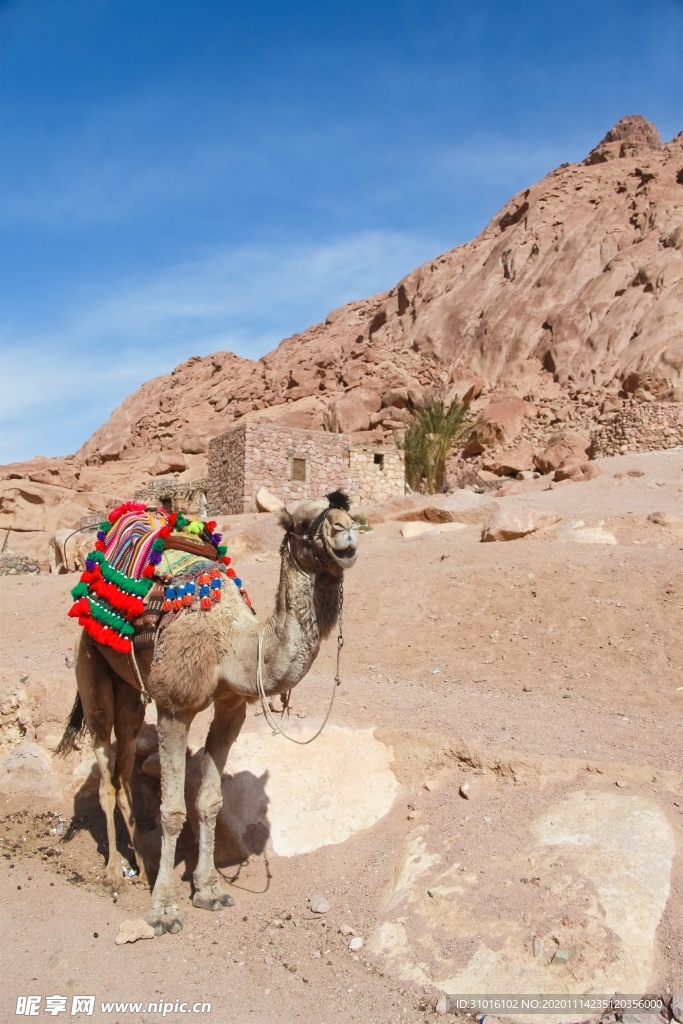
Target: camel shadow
(242, 826)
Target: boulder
(560, 446)
(510, 523)
(267, 502)
(169, 462)
(415, 529)
(518, 460)
(351, 413)
(396, 398)
(192, 444)
(576, 469)
(502, 421)
(508, 489)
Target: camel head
(322, 535)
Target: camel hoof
(165, 921)
(113, 883)
(213, 902)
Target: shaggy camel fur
(208, 657)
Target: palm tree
(431, 434)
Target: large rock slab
(26, 772)
(299, 798)
(513, 522)
(590, 876)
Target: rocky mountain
(579, 278)
(574, 285)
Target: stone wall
(296, 465)
(377, 473)
(639, 428)
(17, 565)
(225, 492)
(177, 495)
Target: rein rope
(275, 726)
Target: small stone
(356, 943)
(537, 946)
(346, 929)
(527, 689)
(622, 783)
(561, 957)
(442, 1005)
(319, 904)
(677, 1007)
(464, 790)
(134, 929)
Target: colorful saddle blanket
(138, 551)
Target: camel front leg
(228, 719)
(163, 915)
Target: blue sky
(182, 176)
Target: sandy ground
(521, 651)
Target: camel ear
(284, 519)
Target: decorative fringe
(106, 601)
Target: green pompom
(222, 550)
(158, 544)
(105, 525)
(80, 590)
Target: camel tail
(75, 728)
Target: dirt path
(532, 653)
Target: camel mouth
(347, 556)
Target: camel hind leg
(129, 714)
(96, 690)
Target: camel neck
(306, 610)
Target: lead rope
(145, 698)
(337, 682)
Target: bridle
(314, 531)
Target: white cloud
(62, 379)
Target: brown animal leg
(228, 720)
(96, 690)
(163, 914)
(129, 714)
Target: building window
(379, 461)
(299, 470)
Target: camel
(208, 658)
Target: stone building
(295, 465)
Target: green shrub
(432, 433)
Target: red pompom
(216, 595)
(148, 571)
(178, 603)
(206, 604)
(232, 573)
(211, 526)
(188, 599)
(165, 531)
(166, 606)
(99, 545)
(215, 574)
(86, 577)
(226, 559)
